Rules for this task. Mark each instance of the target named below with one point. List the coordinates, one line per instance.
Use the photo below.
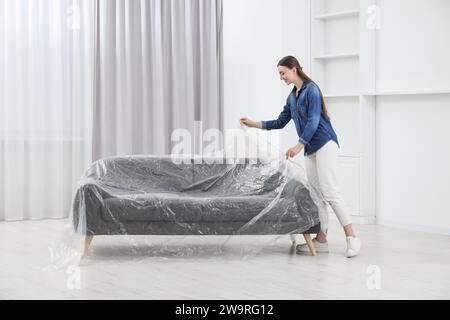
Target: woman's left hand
(292, 152)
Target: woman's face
(287, 75)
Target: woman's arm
(281, 122)
(314, 112)
(295, 150)
(250, 123)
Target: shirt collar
(294, 90)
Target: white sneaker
(353, 246)
(320, 247)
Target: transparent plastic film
(144, 206)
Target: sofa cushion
(171, 207)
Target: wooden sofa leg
(87, 243)
(310, 244)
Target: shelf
(337, 56)
(386, 93)
(337, 15)
(352, 156)
(341, 95)
(399, 93)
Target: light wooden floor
(412, 265)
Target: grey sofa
(148, 195)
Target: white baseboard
(414, 227)
(395, 224)
(355, 219)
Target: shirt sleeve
(281, 122)
(314, 111)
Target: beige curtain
(158, 69)
(46, 82)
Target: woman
(306, 106)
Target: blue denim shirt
(313, 130)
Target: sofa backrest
(229, 179)
(145, 174)
(142, 173)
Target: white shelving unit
(343, 64)
(341, 95)
(337, 56)
(337, 15)
(407, 93)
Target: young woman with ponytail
(316, 136)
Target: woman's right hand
(250, 123)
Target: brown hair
(292, 62)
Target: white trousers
(321, 170)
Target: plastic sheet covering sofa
(149, 195)
(223, 195)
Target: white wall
(413, 162)
(413, 153)
(413, 45)
(412, 131)
(257, 33)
